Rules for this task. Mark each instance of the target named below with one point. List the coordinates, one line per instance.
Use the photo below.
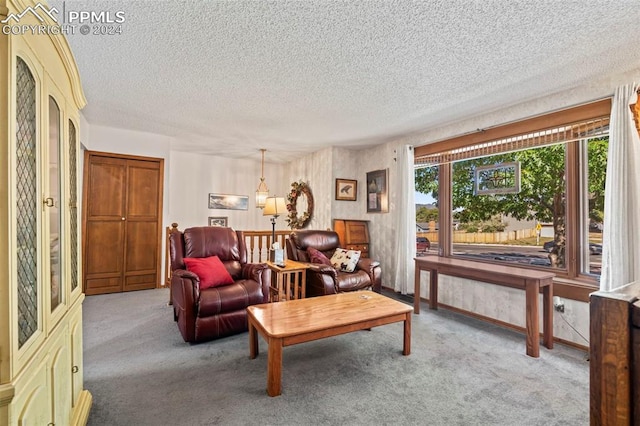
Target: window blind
(586, 129)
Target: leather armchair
(325, 279)
(214, 312)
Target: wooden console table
(530, 280)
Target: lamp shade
(261, 194)
(274, 206)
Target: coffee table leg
(274, 367)
(406, 349)
(253, 341)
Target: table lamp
(274, 207)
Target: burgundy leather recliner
(217, 311)
(324, 279)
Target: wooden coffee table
(303, 320)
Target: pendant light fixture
(262, 192)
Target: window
(594, 154)
(529, 193)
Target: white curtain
(405, 221)
(621, 232)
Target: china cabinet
(41, 295)
(353, 234)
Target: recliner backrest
(299, 241)
(206, 241)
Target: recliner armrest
(183, 275)
(372, 268)
(367, 265)
(323, 269)
(253, 271)
(260, 273)
(185, 294)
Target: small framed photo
(218, 221)
(346, 189)
(377, 191)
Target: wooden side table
(290, 281)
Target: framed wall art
(346, 189)
(503, 178)
(378, 191)
(228, 202)
(218, 221)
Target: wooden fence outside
(483, 237)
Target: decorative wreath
(295, 221)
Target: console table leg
(274, 367)
(416, 290)
(547, 315)
(532, 319)
(433, 289)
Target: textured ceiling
(229, 77)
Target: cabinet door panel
(61, 381)
(142, 243)
(32, 404)
(106, 189)
(105, 253)
(142, 190)
(103, 257)
(357, 232)
(141, 254)
(76, 356)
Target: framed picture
(346, 189)
(503, 178)
(218, 221)
(228, 202)
(378, 191)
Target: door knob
(123, 218)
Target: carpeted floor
(460, 372)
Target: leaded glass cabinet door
(74, 273)
(53, 206)
(26, 172)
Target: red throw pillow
(210, 270)
(316, 256)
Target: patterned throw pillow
(316, 256)
(345, 260)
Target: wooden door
(122, 222)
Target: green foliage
(471, 228)
(427, 181)
(424, 214)
(492, 225)
(597, 152)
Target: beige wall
(189, 178)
